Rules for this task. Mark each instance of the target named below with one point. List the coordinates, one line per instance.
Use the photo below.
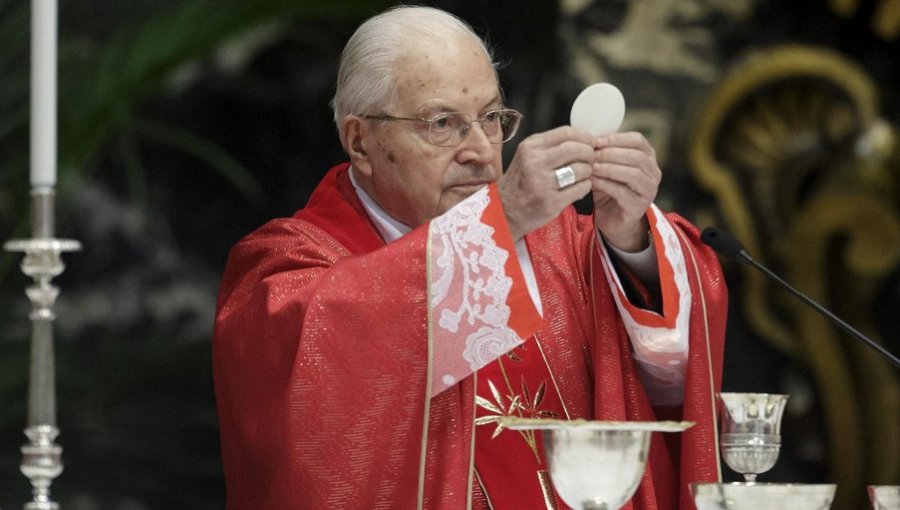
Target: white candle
(43, 93)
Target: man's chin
(467, 190)
(456, 194)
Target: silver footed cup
(750, 431)
(595, 465)
(596, 469)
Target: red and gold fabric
(351, 373)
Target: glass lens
(490, 123)
(443, 130)
(509, 123)
(449, 129)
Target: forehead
(446, 75)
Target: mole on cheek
(391, 157)
(465, 90)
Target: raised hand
(625, 181)
(529, 189)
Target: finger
(628, 149)
(630, 139)
(581, 172)
(624, 196)
(536, 154)
(576, 191)
(566, 143)
(629, 157)
(639, 182)
(569, 153)
(623, 155)
(562, 134)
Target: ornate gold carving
(750, 137)
(791, 145)
(885, 18)
(844, 7)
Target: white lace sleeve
(470, 292)
(660, 341)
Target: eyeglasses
(451, 128)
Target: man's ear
(356, 137)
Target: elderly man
(366, 347)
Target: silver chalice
(750, 431)
(595, 465)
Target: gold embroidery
(520, 404)
(497, 408)
(547, 489)
(513, 355)
(712, 389)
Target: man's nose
(476, 146)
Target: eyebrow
(495, 101)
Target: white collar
(390, 229)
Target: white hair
(366, 81)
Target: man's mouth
(469, 187)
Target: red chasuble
(353, 374)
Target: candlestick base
(44, 254)
(41, 463)
(42, 458)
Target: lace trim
(660, 352)
(469, 290)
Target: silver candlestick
(42, 457)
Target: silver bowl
(596, 464)
(884, 497)
(762, 496)
(596, 468)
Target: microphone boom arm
(824, 311)
(727, 246)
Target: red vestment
(325, 349)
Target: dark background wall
(186, 124)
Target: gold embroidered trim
(559, 394)
(712, 390)
(420, 504)
(472, 471)
(547, 489)
(487, 497)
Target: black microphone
(726, 245)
